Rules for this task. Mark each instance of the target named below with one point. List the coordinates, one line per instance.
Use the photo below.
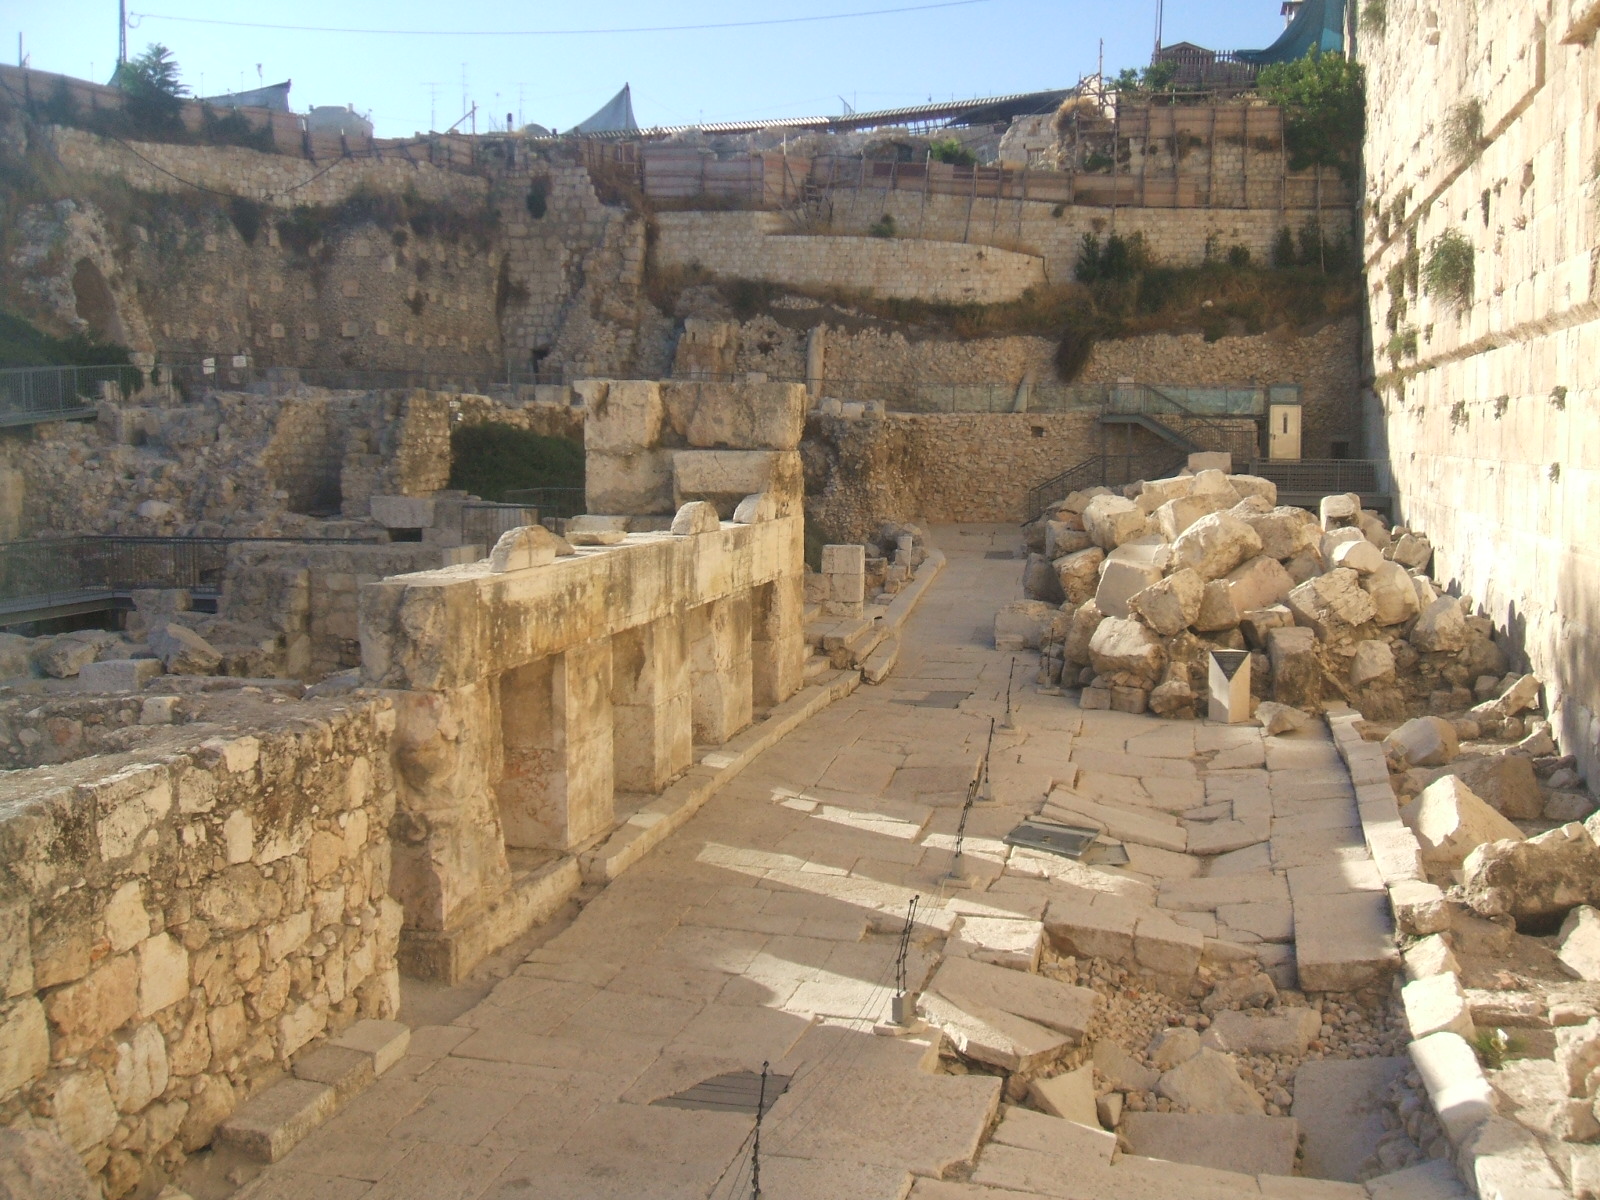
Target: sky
(509, 58)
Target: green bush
(1283, 248)
(1374, 17)
(883, 227)
(1324, 110)
(1447, 274)
(488, 460)
(1238, 257)
(1463, 130)
(950, 150)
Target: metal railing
(29, 395)
(224, 376)
(55, 572)
(1323, 476)
(1100, 470)
(549, 501)
(482, 523)
(1184, 425)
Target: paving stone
(1059, 1006)
(1461, 1097)
(1093, 927)
(1120, 823)
(1343, 942)
(1204, 895)
(1001, 941)
(346, 1071)
(1435, 1005)
(1252, 860)
(1269, 922)
(1293, 1187)
(1339, 1103)
(1221, 837)
(1229, 1142)
(1334, 878)
(1430, 956)
(1121, 1069)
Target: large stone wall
(758, 245)
(1055, 232)
(1490, 427)
(174, 928)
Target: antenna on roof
(848, 110)
(1160, 6)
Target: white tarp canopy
(615, 116)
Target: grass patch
(490, 459)
(1463, 130)
(1448, 272)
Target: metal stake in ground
(1010, 720)
(983, 767)
(904, 1005)
(755, 1150)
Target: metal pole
(755, 1152)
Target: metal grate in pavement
(739, 1091)
(1000, 554)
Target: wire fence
(29, 395)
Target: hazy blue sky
(412, 83)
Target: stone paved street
(765, 931)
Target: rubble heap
(1129, 592)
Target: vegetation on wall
(1147, 82)
(1323, 98)
(309, 225)
(1463, 130)
(23, 345)
(950, 150)
(1448, 272)
(152, 109)
(489, 460)
(1374, 18)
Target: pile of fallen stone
(163, 637)
(1129, 592)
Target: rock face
(184, 652)
(1450, 823)
(1533, 880)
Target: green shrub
(1447, 274)
(1097, 161)
(23, 345)
(488, 460)
(1374, 17)
(883, 227)
(1324, 110)
(246, 217)
(538, 198)
(1463, 130)
(1283, 248)
(1238, 257)
(950, 150)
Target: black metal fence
(49, 572)
(1101, 470)
(482, 524)
(32, 394)
(550, 501)
(222, 373)
(1323, 476)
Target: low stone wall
(1054, 232)
(174, 926)
(756, 245)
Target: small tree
(1324, 109)
(154, 97)
(950, 150)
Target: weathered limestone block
(1424, 741)
(1039, 580)
(1543, 877)
(1128, 647)
(1210, 1083)
(1127, 570)
(526, 547)
(403, 512)
(1284, 1030)
(118, 674)
(1518, 698)
(1360, 556)
(1113, 520)
(1215, 544)
(1021, 624)
(24, 1045)
(695, 516)
(1413, 551)
(1175, 516)
(1441, 627)
(1373, 662)
(1079, 574)
(1331, 604)
(1506, 782)
(726, 477)
(1340, 510)
(1254, 485)
(37, 1165)
(1419, 907)
(1170, 605)
(636, 482)
(1069, 1096)
(621, 415)
(754, 509)
(1085, 620)
(1217, 611)
(1296, 673)
(1437, 1005)
(1284, 532)
(1450, 822)
(1259, 582)
(736, 416)
(1156, 492)
(1394, 598)
(1062, 538)
(1579, 943)
(66, 656)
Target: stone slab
(1343, 942)
(1229, 1142)
(271, 1123)
(1338, 1104)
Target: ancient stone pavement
(766, 931)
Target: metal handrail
(1100, 470)
(550, 501)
